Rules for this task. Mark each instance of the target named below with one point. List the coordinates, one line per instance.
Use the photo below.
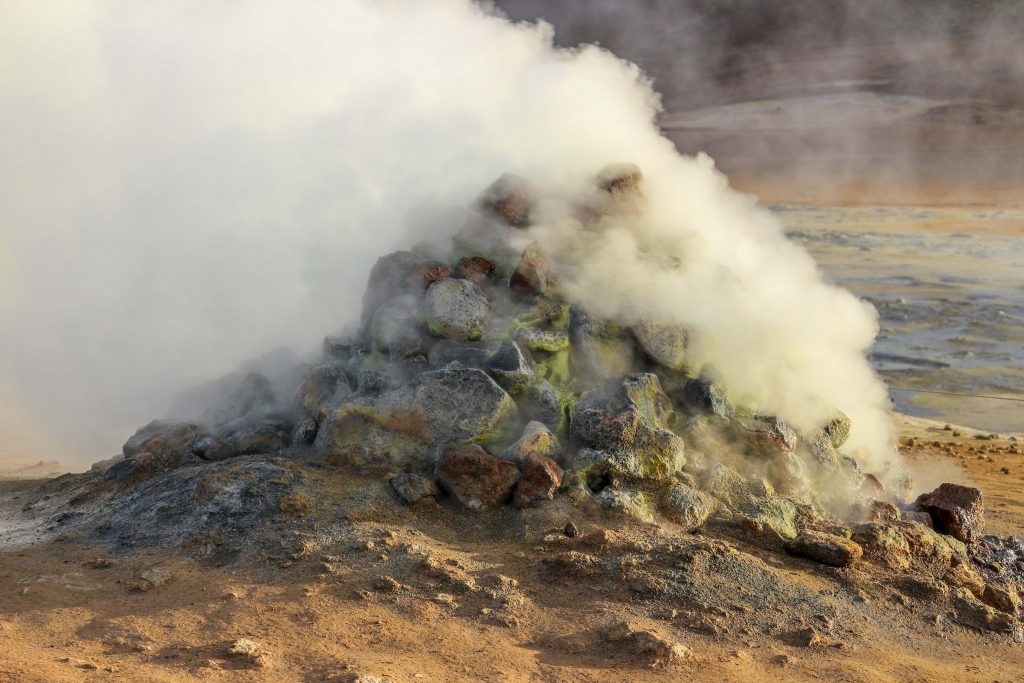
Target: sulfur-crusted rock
(825, 548)
(626, 421)
(600, 349)
(403, 427)
(394, 327)
(689, 507)
(536, 438)
(955, 510)
(963, 575)
(540, 477)
(766, 436)
(838, 430)
(883, 544)
(456, 309)
(537, 339)
(622, 177)
(475, 477)
(665, 344)
(626, 502)
(413, 488)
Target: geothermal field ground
(395, 342)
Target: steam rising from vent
(187, 185)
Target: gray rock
(268, 435)
(456, 309)
(701, 396)
(689, 507)
(600, 349)
(510, 368)
(401, 272)
(468, 354)
(209, 447)
(544, 403)
(305, 431)
(665, 344)
(321, 384)
(476, 478)
(413, 488)
(394, 327)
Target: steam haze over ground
(189, 185)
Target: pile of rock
(473, 377)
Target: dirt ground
(473, 609)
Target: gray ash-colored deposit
(475, 401)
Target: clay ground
(493, 611)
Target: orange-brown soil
(432, 594)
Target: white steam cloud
(185, 185)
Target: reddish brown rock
(531, 275)
(475, 477)
(955, 510)
(508, 197)
(476, 269)
(540, 478)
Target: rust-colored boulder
(531, 275)
(540, 478)
(955, 510)
(476, 478)
(476, 269)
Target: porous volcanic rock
(689, 507)
(666, 344)
(509, 198)
(394, 327)
(456, 309)
(955, 510)
(540, 478)
(476, 269)
(536, 438)
(476, 478)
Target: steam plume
(186, 185)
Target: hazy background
(857, 101)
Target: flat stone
(825, 548)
